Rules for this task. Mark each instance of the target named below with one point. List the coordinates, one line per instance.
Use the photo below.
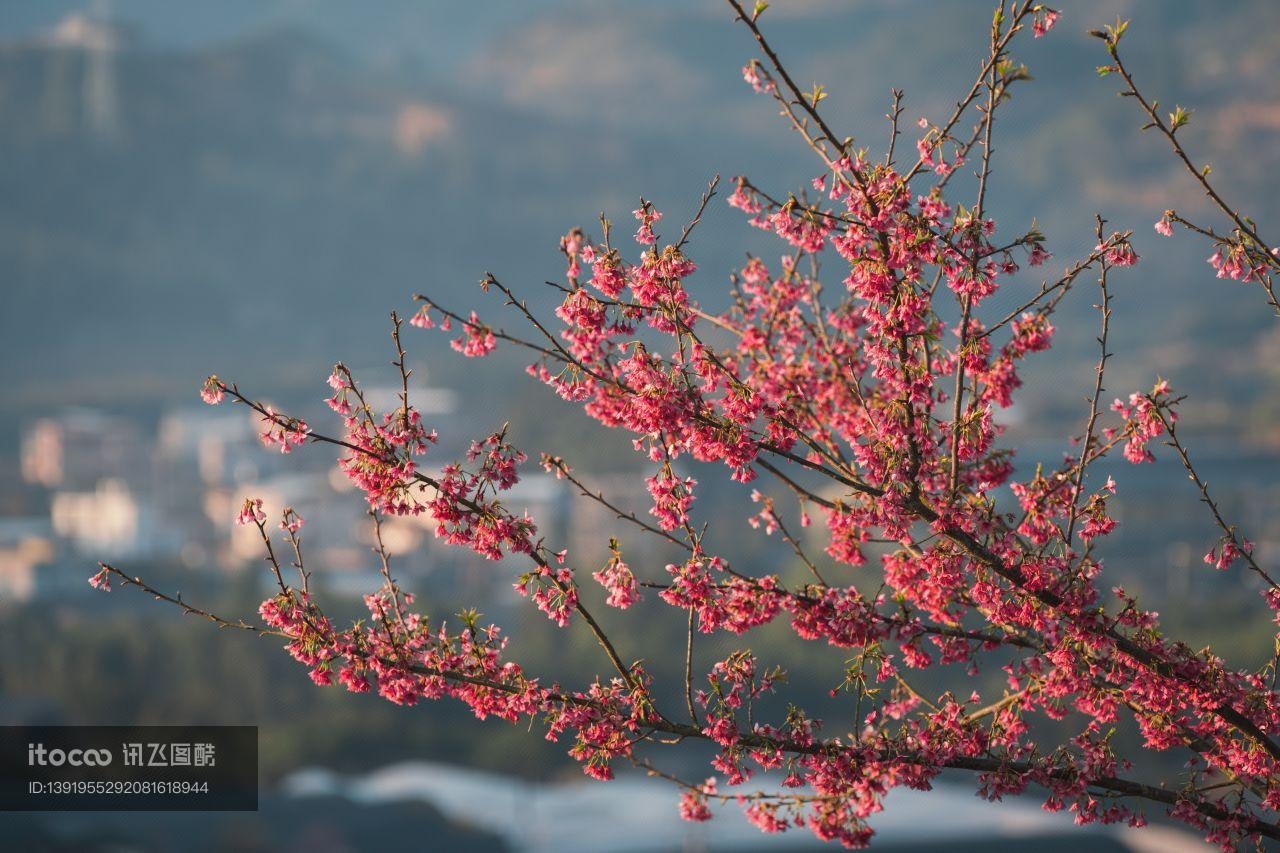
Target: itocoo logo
(38, 755)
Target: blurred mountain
(249, 188)
(250, 191)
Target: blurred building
(82, 84)
(115, 493)
(109, 521)
(82, 446)
(210, 446)
(26, 548)
(99, 473)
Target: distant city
(117, 488)
(105, 486)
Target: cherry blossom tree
(856, 382)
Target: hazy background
(267, 179)
(248, 187)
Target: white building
(26, 549)
(80, 447)
(108, 522)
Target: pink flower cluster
(282, 431)
(617, 578)
(863, 371)
(1143, 421)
